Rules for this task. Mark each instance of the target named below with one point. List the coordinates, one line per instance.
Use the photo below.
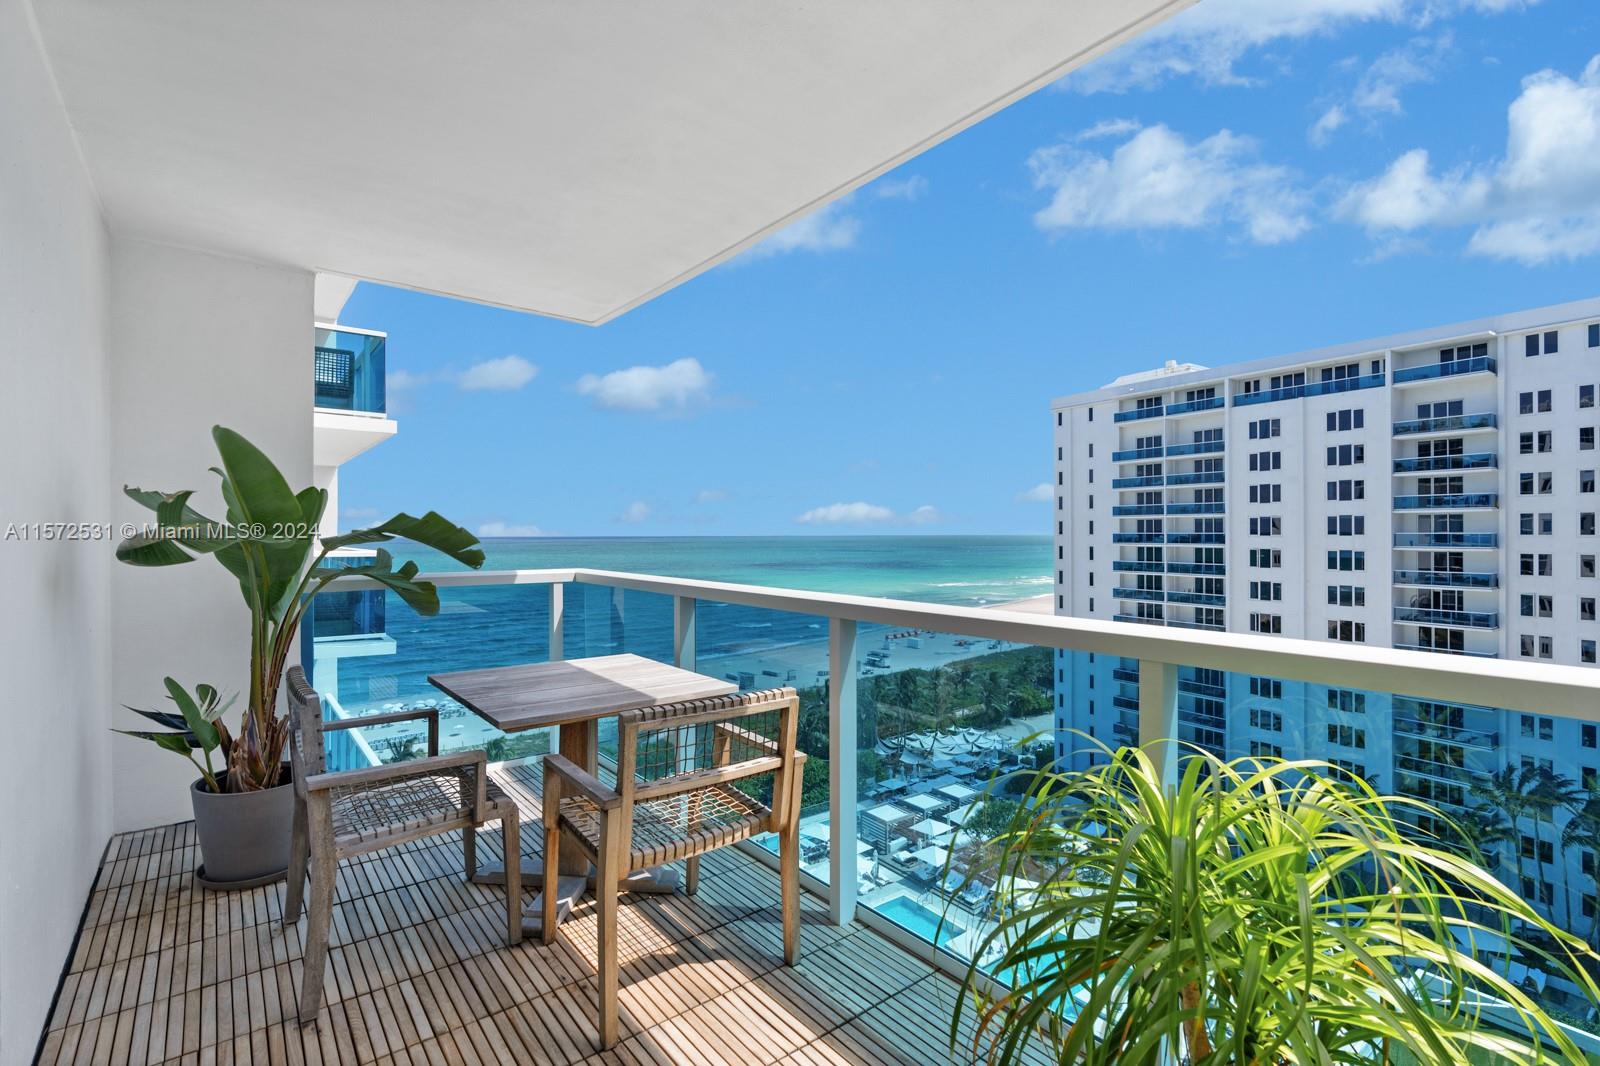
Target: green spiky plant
(269, 542)
(1259, 911)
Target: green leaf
(143, 549)
(432, 530)
(205, 732)
(420, 596)
(258, 488)
(181, 522)
(170, 741)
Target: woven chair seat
(365, 813)
(661, 828)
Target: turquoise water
(907, 912)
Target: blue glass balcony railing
(1199, 447)
(1125, 509)
(1122, 673)
(1473, 461)
(1148, 481)
(1432, 616)
(1126, 703)
(1138, 566)
(1182, 624)
(1203, 599)
(1137, 594)
(1196, 568)
(1447, 540)
(1310, 388)
(1447, 501)
(1484, 364)
(1139, 619)
(1202, 688)
(1137, 538)
(1196, 477)
(1210, 403)
(1449, 651)
(348, 371)
(1446, 424)
(1128, 455)
(1287, 392)
(1139, 413)
(1197, 538)
(1448, 579)
(1212, 507)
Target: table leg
(580, 743)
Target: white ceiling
(571, 158)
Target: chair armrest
(399, 771)
(430, 713)
(581, 781)
(755, 740)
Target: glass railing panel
(1430, 371)
(1474, 461)
(1209, 507)
(1137, 594)
(757, 648)
(1136, 509)
(1446, 424)
(960, 732)
(1128, 455)
(1195, 448)
(1137, 566)
(1177, 567)
(1455, 501)
(1335, 385)
(1448, 578)
(1446, 540)
(1199, 477)
(348, 371)
(1137, 414)
(1136, 538)
(1136, 482)
(1438, 616)
(1210, 403)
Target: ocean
(374, 653)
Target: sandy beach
(1031, 605)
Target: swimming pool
(907, 912)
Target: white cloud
(1157, 179)
(1377, 91)
(911, 187)
(508, 529)
(1207, 41)
(710, 496)
(1043, 492)
(831, 228)
(506, 374)
(635, 512)
(358, 514)
(925, 515)
(846, 513)
(1539, 202)
(648, 388)
(401, 380)
(1322, 130)
(1109, 127)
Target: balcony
(1432, 616)
(1178, 567)
(1202, 688)
(1484, 364)
(1138, 414)
(1473, 423)
(1448, 579)
(1199, 447)
(1197, 538)
(1122, 510)
(1472, 461)
(1196, 477)
(1129, 455)
(1184, 624)
(1122, 673)
(1210, 403)
(1448, 501)
(1202, 599)
(1447, 651)
(348, 370)
(1138, 619)
(1465, 541)
(1138, 538)
(1287, 392)
(1138, 566)
(1204, 507)
(1310, 388)
(1126, 703)
(1149, 481)
(1154, 595)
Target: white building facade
(1431, 490)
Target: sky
(1255, 177)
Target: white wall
(198, 340)
(56, 786)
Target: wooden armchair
(691, 777)
(340, 815)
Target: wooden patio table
(573, 695)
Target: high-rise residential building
(1431, 490)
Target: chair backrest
(306, 752)
(675, 748)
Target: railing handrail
(1570, 691)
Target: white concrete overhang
(339, 436)
(572, 159)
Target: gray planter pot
(244, 837)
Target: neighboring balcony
(1179, 567)
(1139, 413)
(348, 370)
(1210, 403)
(1138, 538)
(1310, 388)
(1449, 501)
(1182, 623)
(1476, 653)
(1126, 703)
(1473, 423)
(1146, 482)
(1197, 538)
(1433, 616)
(1199, 447)
(1154, 595)
(1203, 507)
(1200, 599)
(1139, 620)
(1196, 477)
(1464, 541)
(1130, 455)
(1124, 510)
(1122, 673)
(1138, 566)
(1484, 364)
(1424, 463)
(1448, 579)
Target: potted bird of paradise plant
(270, 544)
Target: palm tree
(1484, 830)
(1503, 792)
(1258, 911)
(1548, 791)
(1583, 831)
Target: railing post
(1158, 716)
(683, 651)
(558, 640)
(842, 770)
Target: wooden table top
(537, 695)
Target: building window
(1524, 403)
(1544, 401)
(1347, 631)
(1586, 524)
(1347, 596)
(1347, 560)
(1586, 438)
(1347, 700)
(1586, 651)
(1347, 490)
(1260, 749)
(1585, 395)
(1340, 421)
(1268, 687)
(1347, 736)
(1589, 735)
(1586, 481)
(1346, 454)
(1594, 334)
(1586, 566)
(1266, 623)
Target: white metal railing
(1568, 691)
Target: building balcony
(1431, 616)
(1310, 388)
(1287, 392)
(1126, 703)
(1448, 501)
(1199, 447)
(1179, 567)
(1448, 579)
(1420, 729)
(1411, 375)
(1202, 688)
(1138, 538)
(1138, 414)
(1203, 507)
(1463, 541)
(1149, 481)
(1474, 653)
(1138, 619)
(348, 370)
(1197, 538)
(1138, 566)
(1196, 477)
(1423, 463)
(1154, 595)
(1439, 771)
(1210, 403)
(1473, 423)
(1125, 732)
(1130, 455)
(1202, 599)
(1123, 674)
(1185, 624)
(1123, 510)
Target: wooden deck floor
(418, 973)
